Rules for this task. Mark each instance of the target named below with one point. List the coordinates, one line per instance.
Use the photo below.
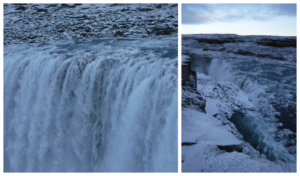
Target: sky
(241, 19)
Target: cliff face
(189, 76)
(32, 23)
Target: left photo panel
(90, 88)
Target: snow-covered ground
(249, 104)
(208, 132)
(241, 47)
(32, 23)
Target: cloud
(196, 15)
(208, 13)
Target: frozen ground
(204, 156)
(31, 23)
(242, 47)
(247, 86)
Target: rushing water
(271, 126)
(103, 105)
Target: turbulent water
(270, 126)
(100, 105)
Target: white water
(106, 106)
(258, 127)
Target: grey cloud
(205, 13)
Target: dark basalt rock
(217, 41)
(21, 8)
(88, 29)
(32, 36)
(188, 143)
(52, 5)
(19, 3)
(42, 10)
(158, 6)
(278, 42)
(65, 5)
(186, 72)
(231, 148)
(118, 34)
(173, 5)
(244, 52)
(113, 5)
(145, 9)
(72, 6)
(248, 53)
(61, 30)
(124, 10)
(164, 31)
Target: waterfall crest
(105, 105)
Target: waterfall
(97, 106)
(259, 127)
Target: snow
(204, 156)
(203, 128)
(211, 107)
(101, 20)
(184, 59)
(190, 44)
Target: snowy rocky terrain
(238, 103)
(31, 23)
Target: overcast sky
(242, 19)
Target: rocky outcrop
(81, 21)
(217, 41)
(188, 75)
(192, 99)
(231, 148)
(285, 42)
(187, 143)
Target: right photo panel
(239, 88)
